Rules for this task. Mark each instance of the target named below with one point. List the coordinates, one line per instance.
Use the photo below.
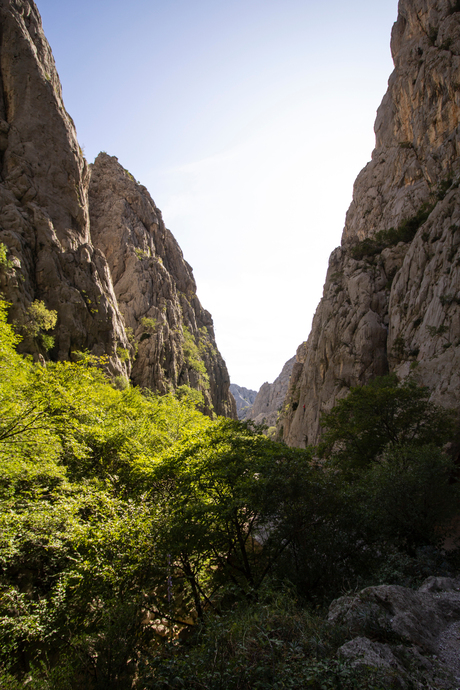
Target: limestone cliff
(155, 290)
(270, 398)
(55, 256)
(244, 399)
(43, 199)
(391, 300)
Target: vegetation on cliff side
(144, 545)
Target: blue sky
(248, 122)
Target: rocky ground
(412, 636)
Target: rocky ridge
(155, 290)
(391, 300)
(244, 399)
(270, 398)
(90, 243)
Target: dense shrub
(129, 521)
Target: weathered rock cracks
(269, 400)
(412, 636)
(90, 243)
(391, 300)
(244, 399)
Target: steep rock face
(43, 199)
(155, 290)
(270, 397)
(244, 399)
(53, 256)
(391, 296)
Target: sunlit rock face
(244, 399)
(155, 290)
(391, 300)
(96, 275)
(270, 398)
(43, 199)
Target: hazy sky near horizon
(248, 121)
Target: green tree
(39, 320)
(408, 498)
(383, 414)
(232, 505)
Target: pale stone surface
(270, 398)
(244, 399)
(100, 280)
(399, 309)
(155, 289)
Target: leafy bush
(40, 319)
(4, 261)
(129, 521)
(193, 358)
(273, 643)
(383, 414)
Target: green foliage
(142, 253)
(439, 330)
(410, 497)
(39, 320)
(272, 644)
(383, 414)
(132, 341)
(128, 519)
(386, 440)
(230, 483)
(191, 395)
(122, 353)
(149, 324)
(449, 298)
(193, 358)
(4, 261)
(120, 383)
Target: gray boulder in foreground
(413, 637)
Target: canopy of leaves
(383, 414)
(128, 519)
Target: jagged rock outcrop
(155, 290)
(412, 636)
(55, 256)
(43, 199)
(391, 300)
(244, 399)
(270, 398)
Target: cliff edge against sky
(391, 300)
(89, 241)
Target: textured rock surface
(43, 198)
(270, 397)
(155, 290)
(244, 399)
(55, 256)
(392, 305)
(412, 635)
